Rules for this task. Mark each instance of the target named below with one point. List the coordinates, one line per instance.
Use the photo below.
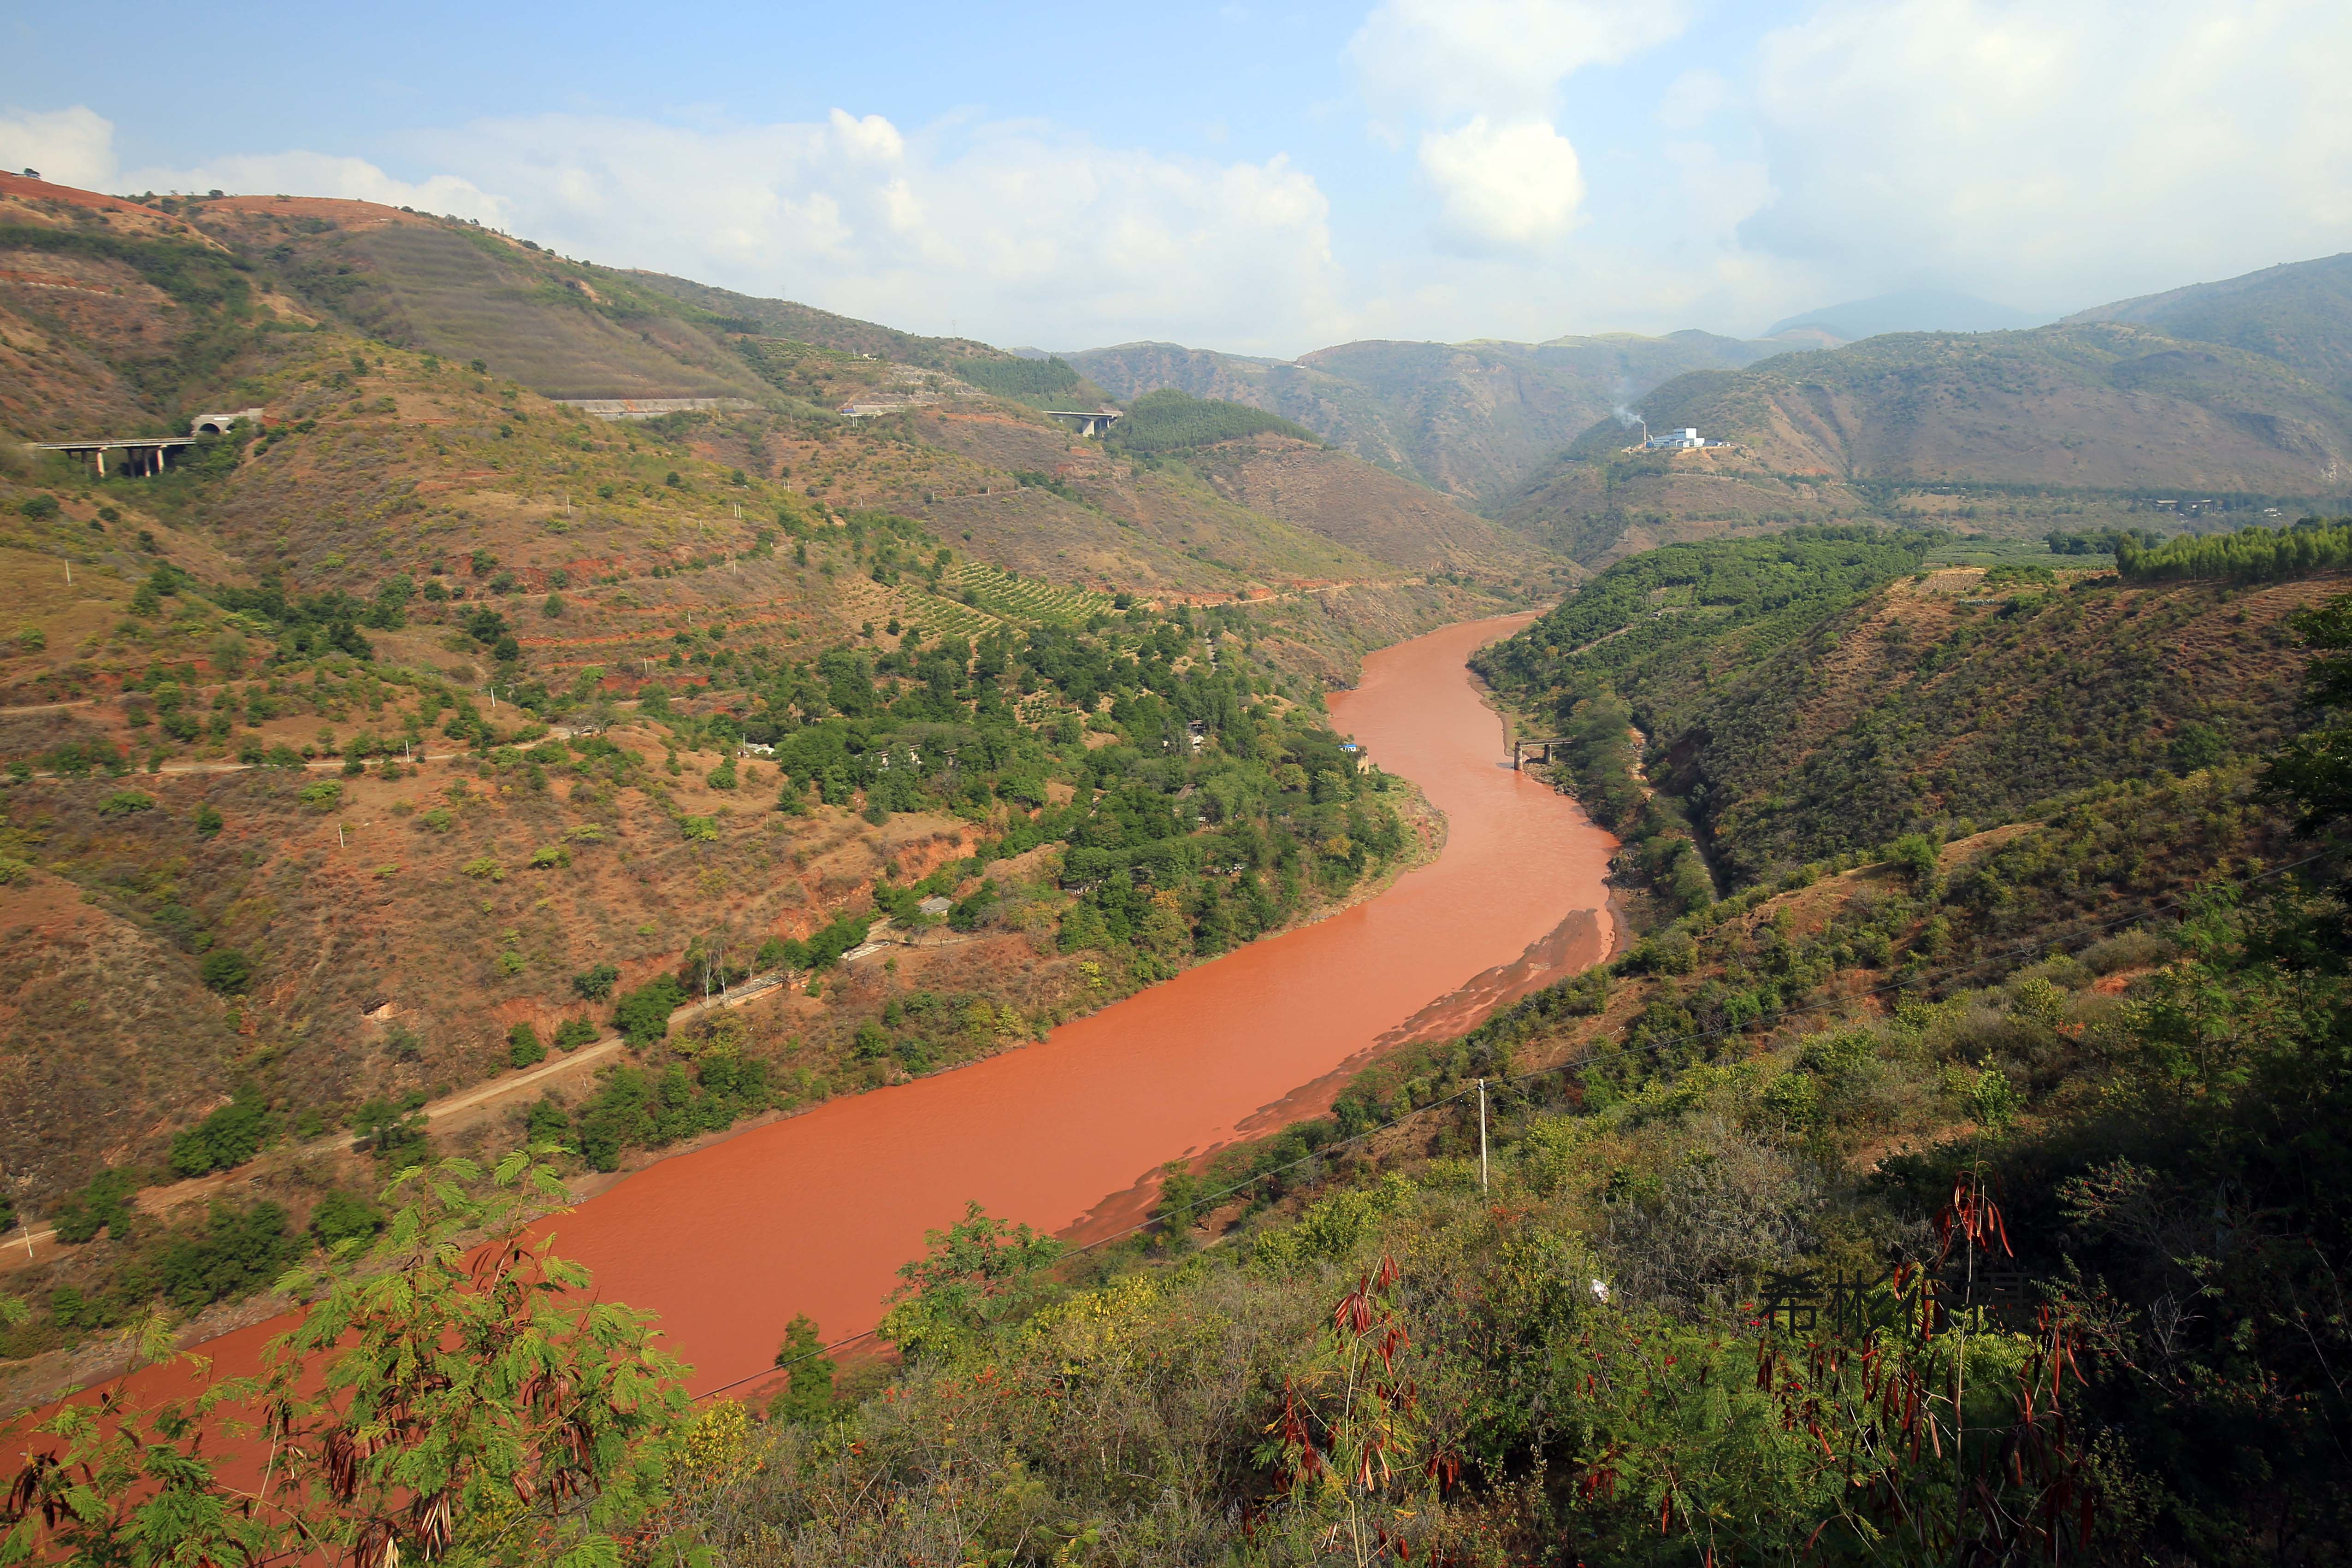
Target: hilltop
(2299, 313)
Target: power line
(1586, 1059)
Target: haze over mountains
(2222, 395)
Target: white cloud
(1488, 73)
(2056, 156)
(1693, 98)
(68, 146)
(1501, 58)
(1504, 186)
(1015, 231)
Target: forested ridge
(1806, 693)
(1171, 421)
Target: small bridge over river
(1523, 749)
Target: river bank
(812, 1214)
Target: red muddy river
(814, 1214)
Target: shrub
(438, 820)
(321, 795)
(39, 508)
(125, 803)
(239, 1251)
(523, 1049)
(549, 857)
(103, 1204)
(340, 1216)
(225, 970)
(721, 776)
(573, 1033)
(699, 830)
(394, 1134)
(2134, 949)
(1914, 858)
(229, 1137)
(484, 868)
(642, 1015)
(594, 984)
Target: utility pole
(1482, 1134)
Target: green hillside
(807, 324)
(2299, 315)
(1976, 1196)
(1818, 689)
(1170, 421)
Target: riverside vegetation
(1972, 1197)
(429, 677)
(1162, 804)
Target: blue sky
(1266, 179)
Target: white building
(1674, 441)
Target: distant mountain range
(2218, 402)
(1914, 310)
(1472, 420)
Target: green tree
(225, 970)
(339, 1217)
(1914, 858)
(394, 1134)
(229, 1137)
(2315, 770)
(523, 1046)
(594, 984)
(642, 1015)
(437, 1400)
(978, 1272)
(808, 1397)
